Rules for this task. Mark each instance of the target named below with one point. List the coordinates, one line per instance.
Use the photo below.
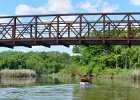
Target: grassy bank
(122, 74)
(106, 73)
(20, 73)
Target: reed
(136, 74)
(20, 73)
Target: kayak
(84, 83)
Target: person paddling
(84, 78)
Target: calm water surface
(68, 89)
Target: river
(68, 89)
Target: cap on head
(85, 74)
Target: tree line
(41, 62)
(95, 59)
(92, 59)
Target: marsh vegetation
(20, 73)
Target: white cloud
(60, 6)
(97, 6)
(109, 8)
(87, 6)
(25, 9)
(68, 18)
(57, 6)
(3, 20)
(135, 2)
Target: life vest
(84, 79)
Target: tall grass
(136, 74)
(124, 74)
(17, 73)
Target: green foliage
(91, 60)
(107, 59)
(41, 62)
(72, 69)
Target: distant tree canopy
(41, 62)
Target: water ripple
(39, 92)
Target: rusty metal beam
(23, 44)
(6, 45)
(84, 43)
(63, 43)
(42, 43)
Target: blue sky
(20, 7)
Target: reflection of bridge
(70, 29)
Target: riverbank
(108, 74)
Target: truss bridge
(70, 29)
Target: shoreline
(57, 75)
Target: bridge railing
(60, 26)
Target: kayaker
(84, 78)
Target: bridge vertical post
(31, 27)
(68, 30)
(36, 27)
(108, 28)
(88, 29)
(80, 30)
(14, 30)
(129, 30)
(103, 28)
(49, 30)
(57, 39)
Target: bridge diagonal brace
(42, 43)
(6, 45)
(64, 44)
(23, 44)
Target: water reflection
(136, 83)
(18, 81)
(45, 88)
(58, 92)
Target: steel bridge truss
(70, 29)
